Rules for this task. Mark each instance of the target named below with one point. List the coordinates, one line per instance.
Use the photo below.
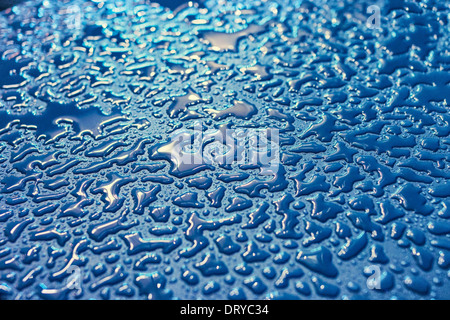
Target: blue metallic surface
(97, 202)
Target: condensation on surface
(95, 202)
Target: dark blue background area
(92, 99)
(4, 4)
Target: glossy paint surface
(96, 200)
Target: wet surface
(99, 104)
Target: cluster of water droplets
(95, 202)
